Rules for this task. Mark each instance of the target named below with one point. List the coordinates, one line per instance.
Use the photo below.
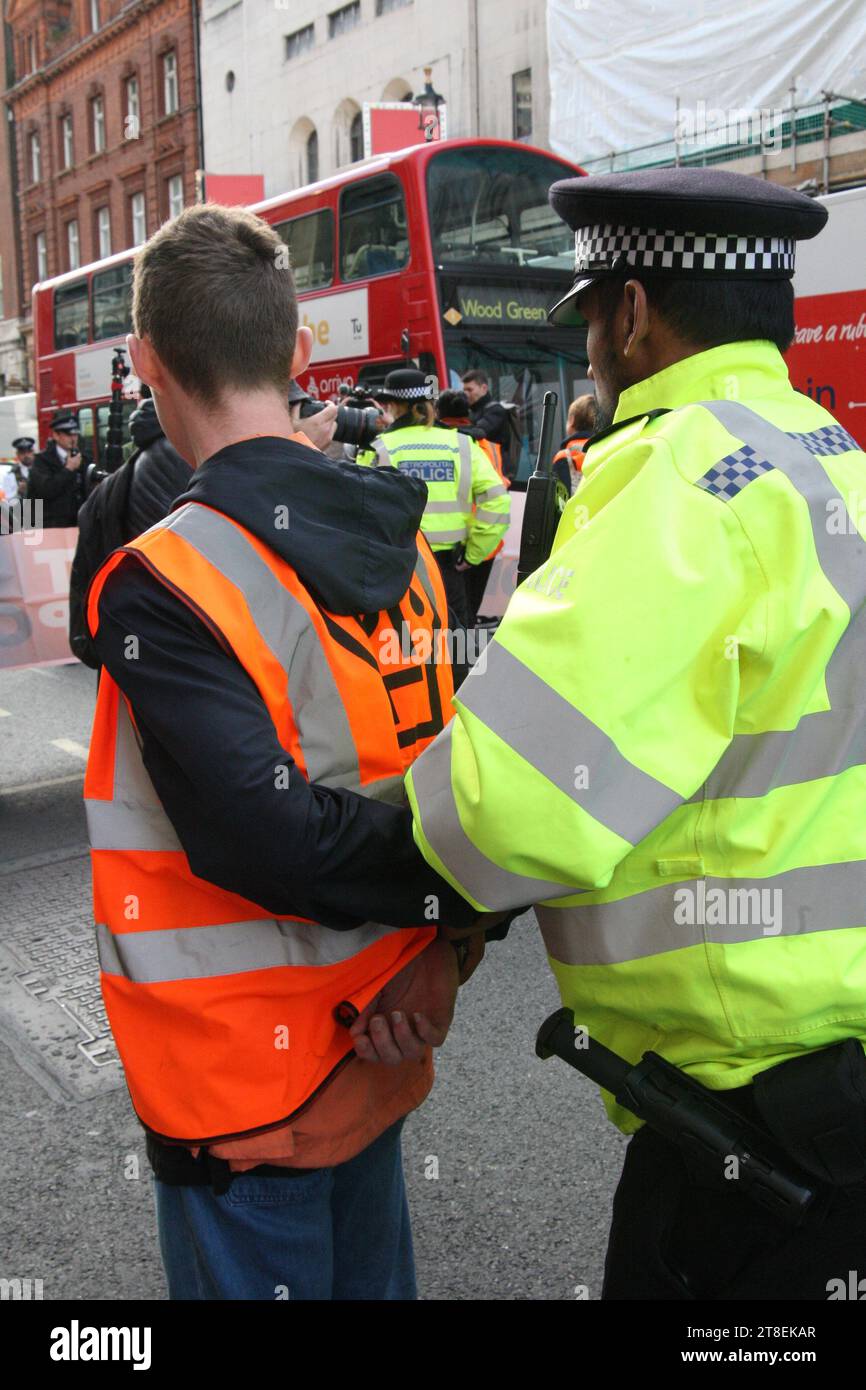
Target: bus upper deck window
(310, 240)
(374, 237)
(112, 302)
(71, 315)
(489, 206)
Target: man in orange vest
(580, 425)
(280, 628)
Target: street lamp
(428, 103)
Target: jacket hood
(349, 532)
(144, 425)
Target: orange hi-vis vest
(573, 452)
(229, 1020)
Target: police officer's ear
(637, 317)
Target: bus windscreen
(488, 206)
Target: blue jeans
(330, 1233)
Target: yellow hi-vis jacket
(665, 748)
(467, 500)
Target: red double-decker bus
(446, 255)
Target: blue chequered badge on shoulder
(728, 477)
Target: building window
(40, 256)
(35, 157)
(66, 146)
(169, 83)
(103, 232)
(312, 157)
(31, 52)
(521, 104)
(94, 15)
(386, 6)
(340, 21)
(356, 139)
(138, 219)
(132, 117)
(73, 245)
(97, 128)
(300, 41)
(175, 195)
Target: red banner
(34, 597)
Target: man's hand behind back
(413, 1011)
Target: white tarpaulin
(617, 69)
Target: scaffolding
(746, 135)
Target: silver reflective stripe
(440, 508)
(827, 741)
(134, 818)
(556, 739)
(497, 518)
(445, 537)
(380, 449)
(491, 492)
(485, 881)
(426, 582)
(830, 897)
(198, 953)
(287, 630)
(464, 489)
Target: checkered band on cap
(410, 393)
(596, 248)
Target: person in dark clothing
(122, 506)
(57, 476)
(489, 418)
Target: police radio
(546, 497)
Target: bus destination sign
(475, 304)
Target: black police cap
(406, 384)
(682, 223)
(23, 442)
(64, 420)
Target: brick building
(105, 103)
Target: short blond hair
(214, 293)
(582, 414)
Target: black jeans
(677, 1234)
(455, 588)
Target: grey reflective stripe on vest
(829, 897)
(197, 953)
(134, 818)
(554, 737)
(287, 629)
(491, 492)
(495, 888)
(464, 491)
(828, 741)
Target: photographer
(57, 475)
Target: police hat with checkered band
(406, 384)
(686, 224)
(23, 444)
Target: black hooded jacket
(208, 742)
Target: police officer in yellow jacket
(467, 502)
(673, 711)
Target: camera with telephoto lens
(358, 418)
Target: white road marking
(38, 786)
(5, 713)
(68, 745)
